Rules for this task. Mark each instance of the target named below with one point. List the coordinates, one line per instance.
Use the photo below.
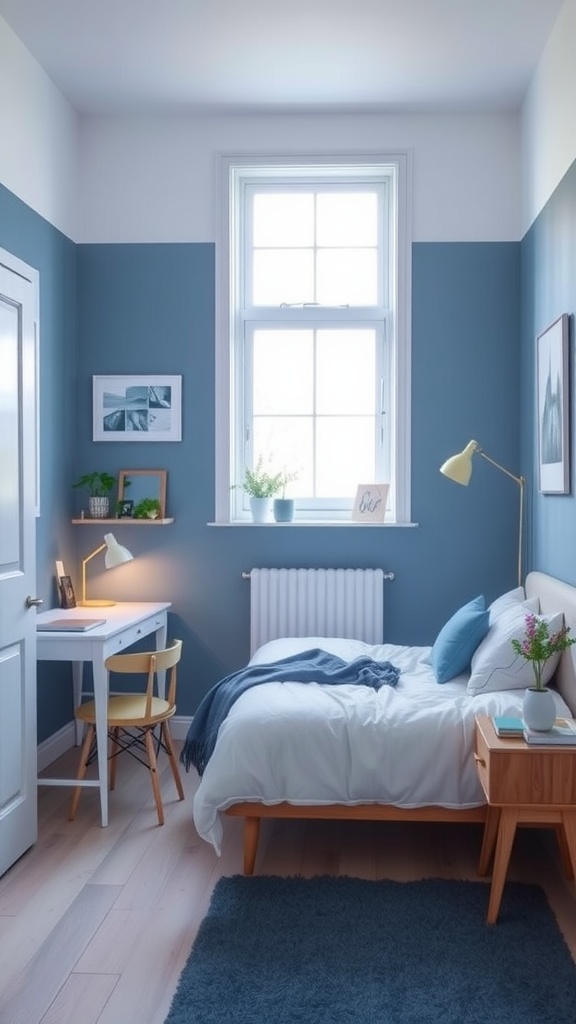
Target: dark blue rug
(345, 951)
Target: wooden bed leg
(251, 836)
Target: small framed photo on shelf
(125, 509)
(370, 503)
(66, 590)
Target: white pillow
(495, 664)
(511, 599)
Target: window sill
(346, 523)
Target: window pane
(346, 365)
(282, 372)
(347, 276)
(284, 220)
(345, 455)
(347, 219)
(283, 275)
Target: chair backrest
(150, 663)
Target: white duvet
(409, 745)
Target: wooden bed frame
(554, 595)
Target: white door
(18, 332)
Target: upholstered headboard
(557, 596)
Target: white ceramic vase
(260, 508)
(539, 709)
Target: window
(312, 351)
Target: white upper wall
(39, 132)
(548, 136)
(154, 179)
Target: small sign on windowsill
(370, 503)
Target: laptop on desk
(68, 625)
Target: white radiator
(316, 602)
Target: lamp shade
(459, 467)
(115, 553)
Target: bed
(401, 752)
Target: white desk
(125, 623)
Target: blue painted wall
(150, 309)
(110, 309)
(548, 261)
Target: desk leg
(77, 680)
(101, 702)
(506, 833)
(161, 641)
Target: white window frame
(235, 168)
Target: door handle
(31, 602)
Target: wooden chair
(132, 719)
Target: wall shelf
(126, 521)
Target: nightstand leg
(489, 839)
(566, 833)
(506, 833)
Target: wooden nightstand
(523, 785)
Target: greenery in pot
(287, 478)
(148, 508)
(263, 483)
(260, 483)
(98, 485)
(538, 645)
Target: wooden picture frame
(552, 399)
(137, 408)
(141, 484)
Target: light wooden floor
(96, 924)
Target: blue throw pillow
(458, 639)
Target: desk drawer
(116, 644)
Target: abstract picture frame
(137, 408)
(553, 405)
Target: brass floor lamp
(459, 469)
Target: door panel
(18, 321)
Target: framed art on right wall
(553, 408)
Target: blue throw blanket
(314, 666)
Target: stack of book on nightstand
(508, 725)
(562, 733)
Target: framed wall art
(137, 408)
(552, 396)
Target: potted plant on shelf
(148, 508)
(284, 507)
(537, 646)
(98, 486)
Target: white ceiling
(286, 55)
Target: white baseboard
(57, 744)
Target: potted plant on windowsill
(98, 486)
(261, 485)
(283, 507)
